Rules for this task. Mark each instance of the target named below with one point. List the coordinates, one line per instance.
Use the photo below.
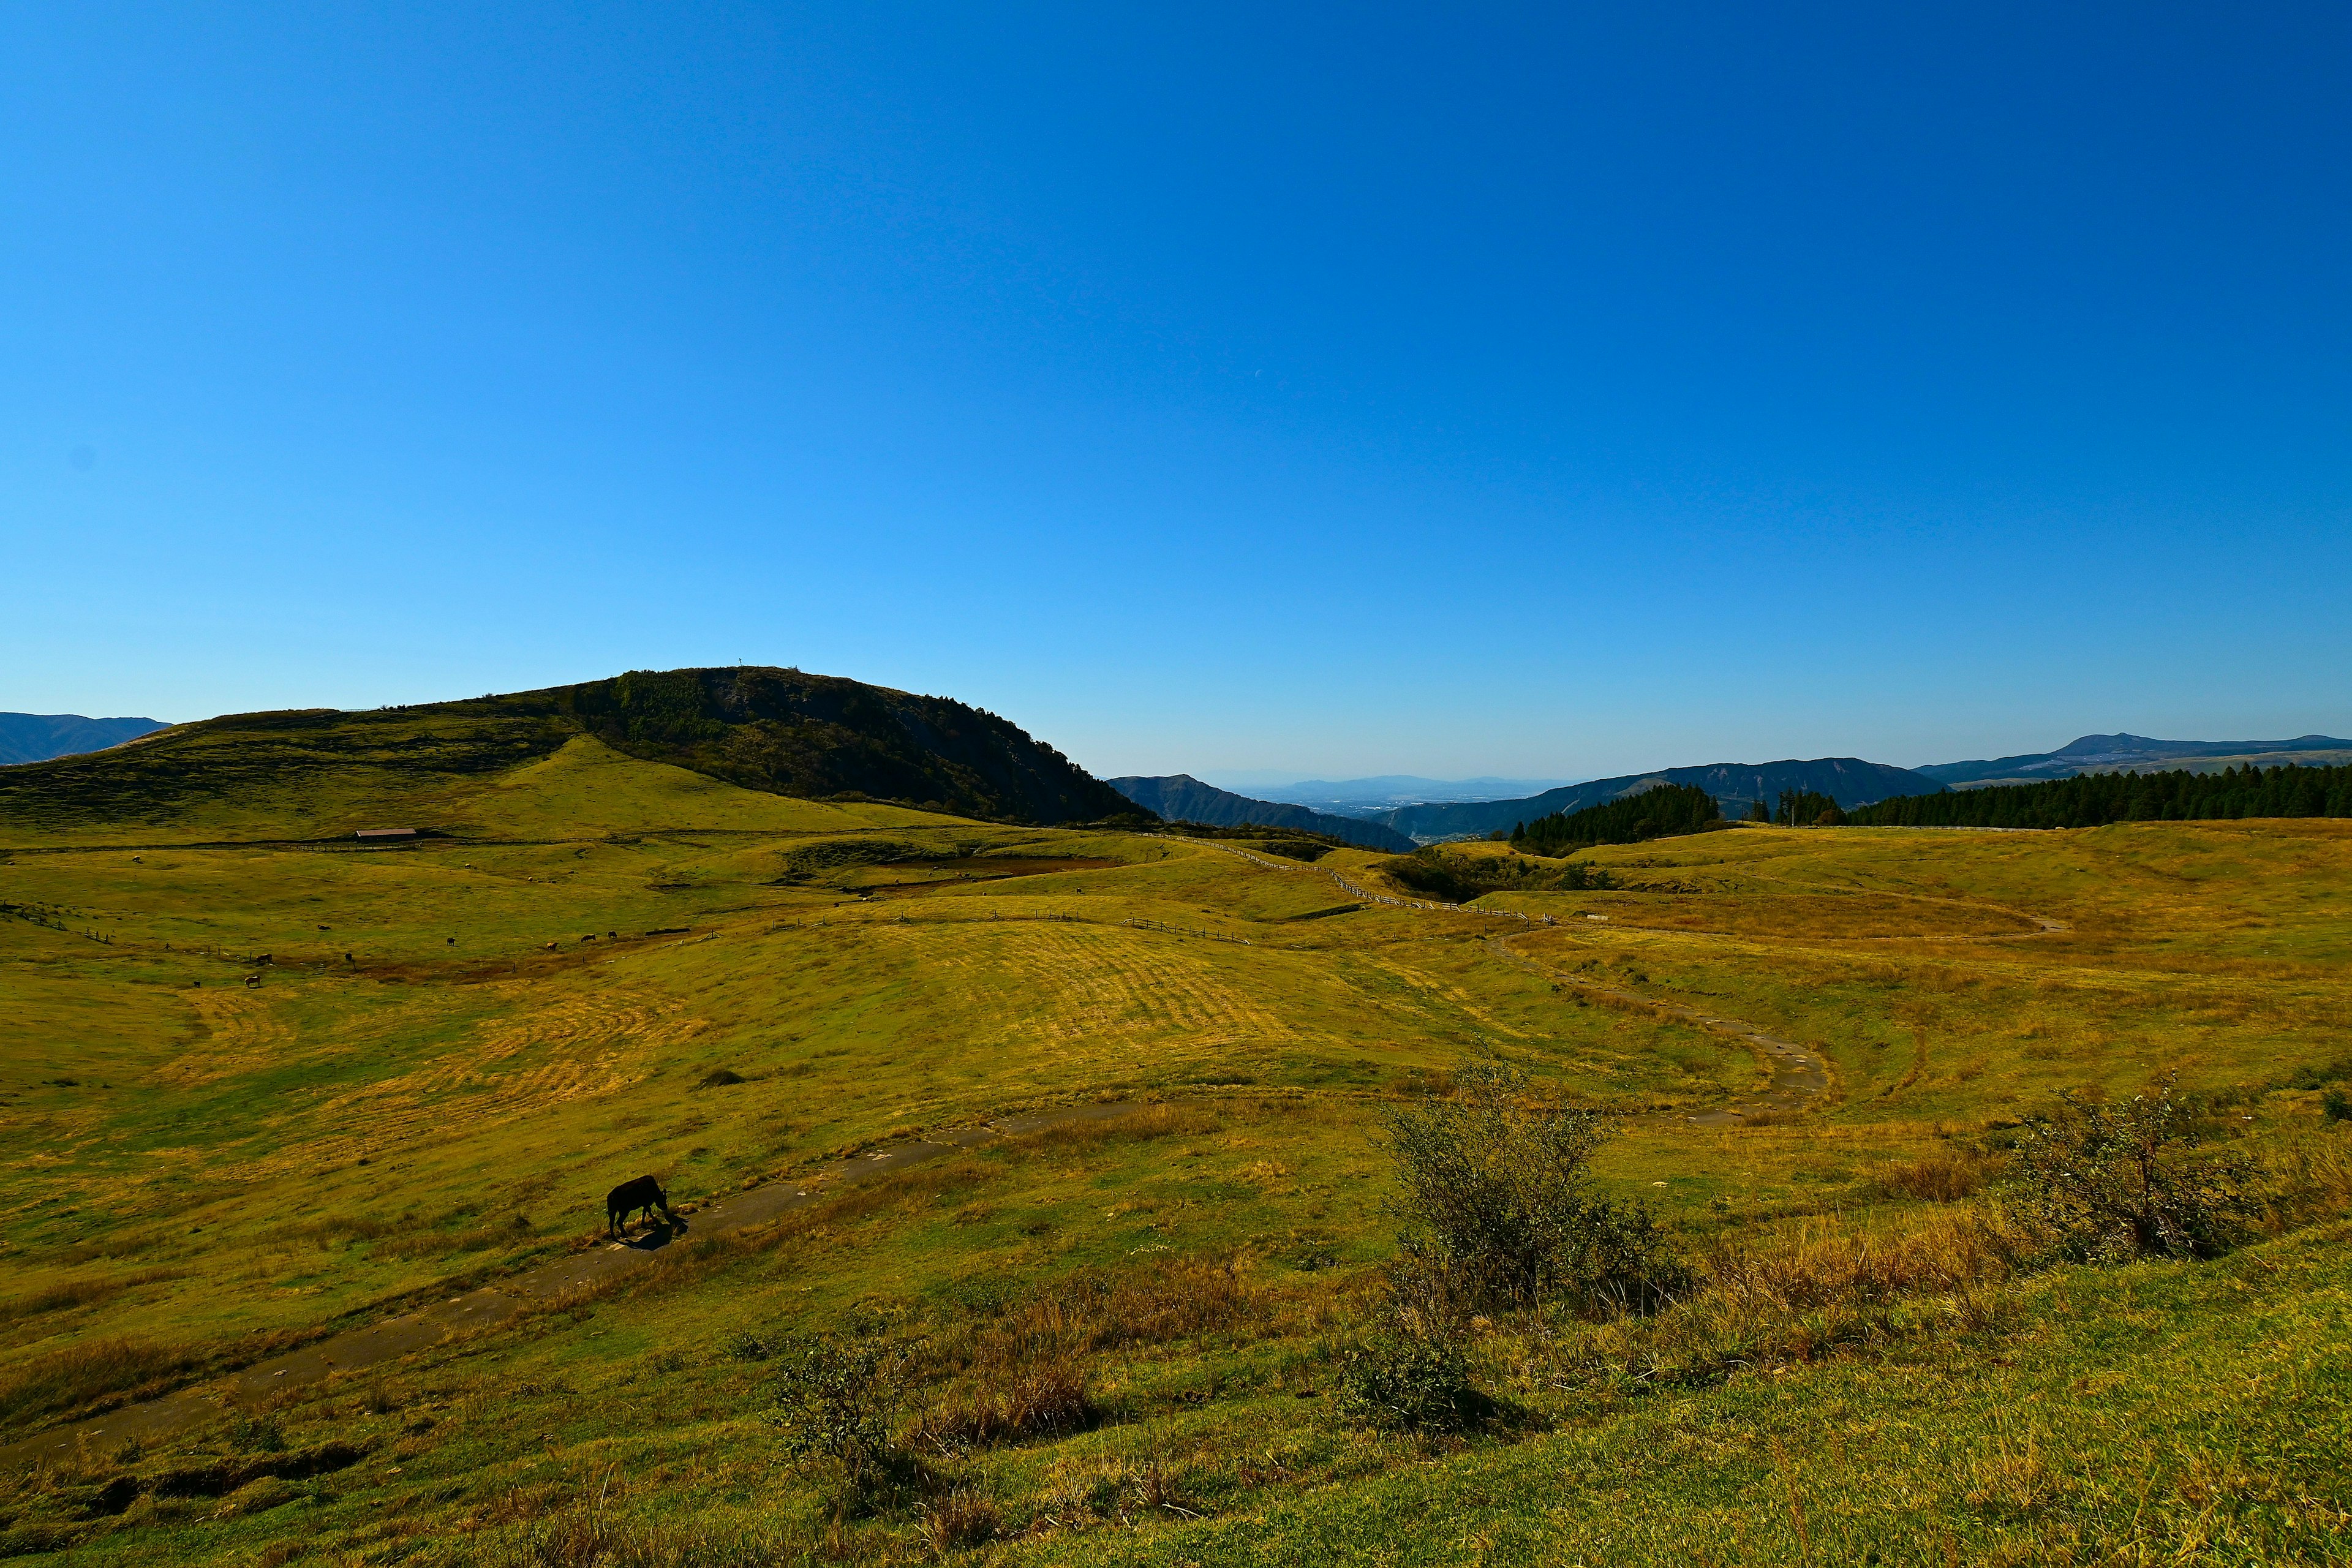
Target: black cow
(642, 1196)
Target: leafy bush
(2109, 1183)
(745, 1345)
(834, 1401)
(1500, 1209)
(1410, 1382)
(1428, 872)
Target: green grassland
(613, 965)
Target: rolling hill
(38, 737)
(779, 731)
(1849, 780)
(1181, 797)
(2138, 753)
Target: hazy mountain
(38, 737)
(780, 731)
(1849, 781)
(1386, 792)
(1181, 797)
(2138, 753)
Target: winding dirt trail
(550, 1283)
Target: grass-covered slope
(437, 1077)
(323, 772)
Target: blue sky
(1339, 390)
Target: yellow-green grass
(230, 1162)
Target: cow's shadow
(655, 1237)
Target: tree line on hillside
(1801, 808)
(2092, 800)
(1458, 879)
(1662, 812)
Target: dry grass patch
(74, 1293)
(81, 1375)
(1943, 1178)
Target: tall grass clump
(80, 1375)
(1825, 1289)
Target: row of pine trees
(2092, 800)
(2086, 800)
(1661, 812)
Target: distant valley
(1180, 797)
(1385, 792)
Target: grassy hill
(326, 771)
(618, 964)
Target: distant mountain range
(1849, 781)
(1181, 797)
(1386, 792)
(2137, 754)
(38, 737)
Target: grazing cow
(641, 1196)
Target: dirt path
(355, 1349)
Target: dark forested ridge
(1661, 812)
(1181, 797)
(2091, 800)
(1851, 780)
(778, 730)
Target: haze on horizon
(1517, 394)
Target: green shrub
(2335, 1106)
(263, 1433)
(833, 1400)
(745, 1345)
(1427, 872)
(1410, 1382)
(1500, 1211)
(2110, 1182)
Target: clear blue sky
(1341, 390)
